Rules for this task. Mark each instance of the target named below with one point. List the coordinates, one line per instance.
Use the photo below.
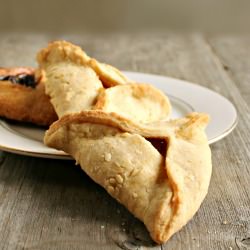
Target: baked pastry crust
(138, 102)
(65, 63)
(162, 190)
(158, 169)
(58, 51)
(22, 103)
(73, 84)
(109, 75)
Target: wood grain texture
(234, 53)
(52, 204)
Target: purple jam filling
(23, 79)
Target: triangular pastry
(75, 82)
(160, 173)
(22, 96)
(158, 169)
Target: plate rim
(64, 156)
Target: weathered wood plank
(234, 53)
(52, 204)
(48, 204)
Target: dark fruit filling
(159, 144)
(26, 80)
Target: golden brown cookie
(23, 98)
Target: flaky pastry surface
(164, 190)
(75, 82)
(139, 102)
(72, 85)
(109, 75)
(159, 169)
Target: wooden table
(52, 204)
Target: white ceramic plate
(185, 97)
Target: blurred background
(77, 16)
